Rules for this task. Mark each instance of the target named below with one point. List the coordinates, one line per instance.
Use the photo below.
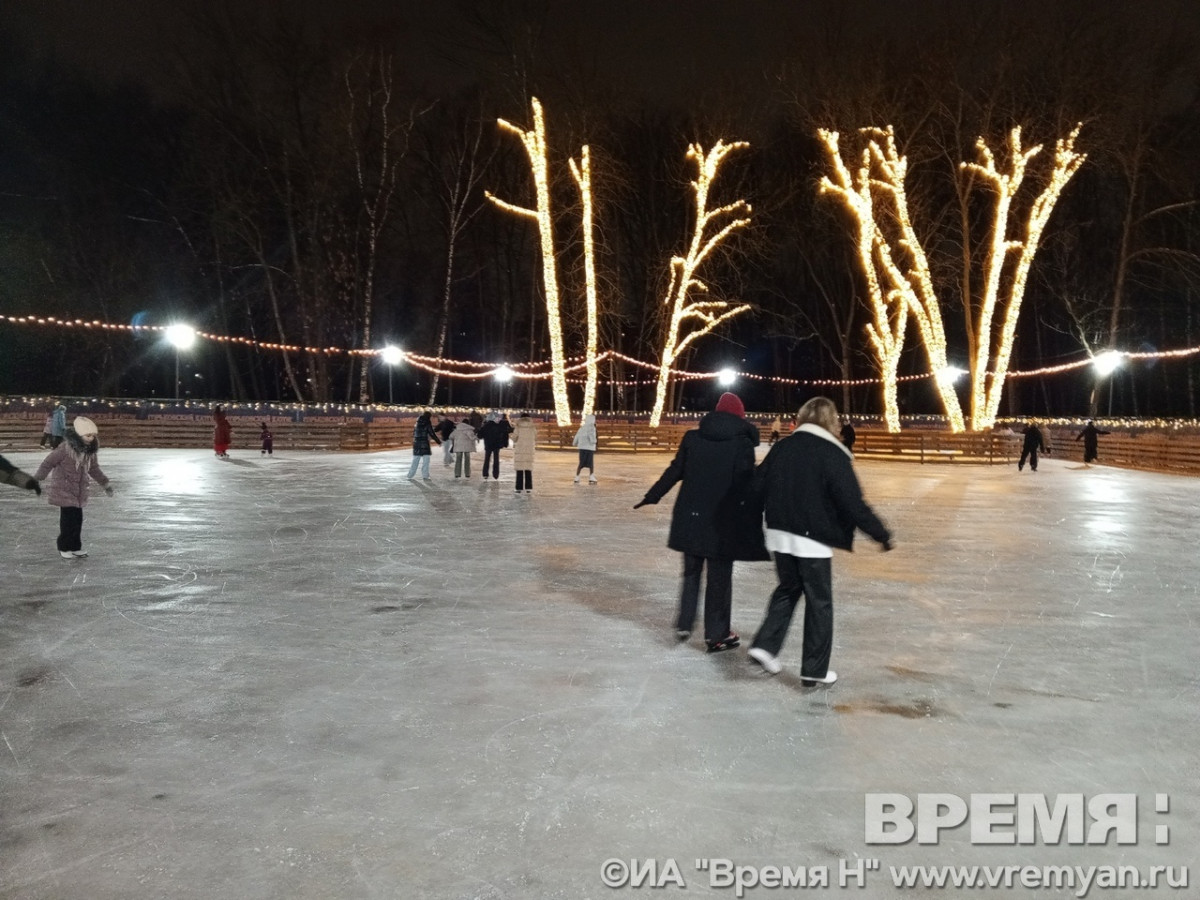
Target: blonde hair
(819, 411)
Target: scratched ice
(307, 677)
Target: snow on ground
(307, 677)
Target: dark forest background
(304, 184)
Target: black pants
(1030, 453)
(812, 577)
(587, 460)
(70, 528)
(718, 596)
(492, 454)
(524, 479)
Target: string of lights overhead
(537, 370)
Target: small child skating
(69, 466)
(268, 441)
(585, 440)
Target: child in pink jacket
(69, 466)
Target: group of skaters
(223, 436)
(459, 440)
(807, 494)
(1033, 442)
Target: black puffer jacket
(715, 514)
(811, 490)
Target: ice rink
(307, 677)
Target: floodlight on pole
(392, 356)
(726, 377)
(181, 337)
(1107, 363)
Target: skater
(48, 429)
(463, 439)
(524, 445)
(58, 426)
(222, 433)
(268, 441)
(813, 505)
(585, 440)
(494, 434)
(423, 433)
(1091, 442)
(10, 474)
(715, 520)
(848, 435)
(776, 428)
(69, 467)
(1032, 444)
(445, 428)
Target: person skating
(585, 439)
(848, 435)
(463, 440)
(813, 505)
(1091, 442)
(58, 425)
(524, 441)
(716, 519)
(48, 429)
(268, 440)
(1030, 446)
(494, 434)
(423, 433)
(69, 466)
(222, 433)
(10, 474)
(445, 428)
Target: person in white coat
(524, 444)
(585, 440)
(463, 440)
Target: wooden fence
(1149, 450)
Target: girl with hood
(222, 433)
(463, 440)
(716, 519)
(69, 466)
(585, 440)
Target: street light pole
(181, 337)
(392, 357)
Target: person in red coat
(222, 433)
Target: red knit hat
(731, 403)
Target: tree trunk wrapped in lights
(582, 173)
(889, 315)
(985, 397)
(891, 255)
(535, 147)
(708, 314)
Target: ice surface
(306, 677)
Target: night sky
(659, 49)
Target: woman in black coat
(813, 505)
(715, 520)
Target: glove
(108, 489)
(25, 480)
(887, 545)
(640, 505)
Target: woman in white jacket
(585, 440)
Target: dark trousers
(70, 528)
(812, 577)
(491, 454)
(524, 479)
(1031, 454)
(718, 596)
(587, 460)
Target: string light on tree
(706, 315)
(889, 317)
(534, 142)
(582, 173)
